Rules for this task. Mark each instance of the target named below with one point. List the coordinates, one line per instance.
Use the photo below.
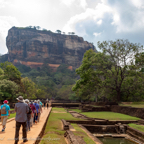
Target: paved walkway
(7, 137)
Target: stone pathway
(7, 137)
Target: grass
(76, 110)
(134, 104)
(110, 116)
(81, 133)
(12, 115)
(54, 127)
(137, 127)
(59, 109)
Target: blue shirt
(7, 109)
(37, 107)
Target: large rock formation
(33, 47)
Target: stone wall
(135, 133)
(136, 112)
(101, 129)
(101, 122)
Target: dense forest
(56, 85)
(36, 83)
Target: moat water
(110, 140)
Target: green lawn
(76, 110)
(54, 126)
(134, 104)
(138, 127)
(81, 133)
(12, 115)
(109, 116)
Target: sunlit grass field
(109, 116)
(138, 127)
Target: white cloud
(67, 2)
(6, 22)
(89, 14)
(99, 22)
(95, 20)
(3, 3)
(96, 34)
(138, 3)
(111, 20)
(81, 3)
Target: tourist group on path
(27, 114)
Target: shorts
(4, 120)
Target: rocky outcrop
(33, 47)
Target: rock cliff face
(33, 47)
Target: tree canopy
(112, 73)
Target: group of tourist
(27, 114)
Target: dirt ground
(7, 137)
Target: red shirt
(33, 108)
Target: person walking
(44, 104)
(40, 102)
(29, 115)
(37, 111)
(33, 113)
(40, 110)
(21, 110)
(5, 112)
(47, 105)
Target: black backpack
(30, 111)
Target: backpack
(30, 111)
(3, 110)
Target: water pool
(110, 140)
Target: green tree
(72, 33)
(64, 92)
(38, 27)
(11, 72)
(44, 29)
(8, 90)
(30, 88)
(41, 94)
(111, 69)
(58, 31)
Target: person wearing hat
(21, 110)
(40, 102)
(5, 112)
(33, 111)
(29, 114)
(40, 110)
(37, 111)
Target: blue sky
(95, 20)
